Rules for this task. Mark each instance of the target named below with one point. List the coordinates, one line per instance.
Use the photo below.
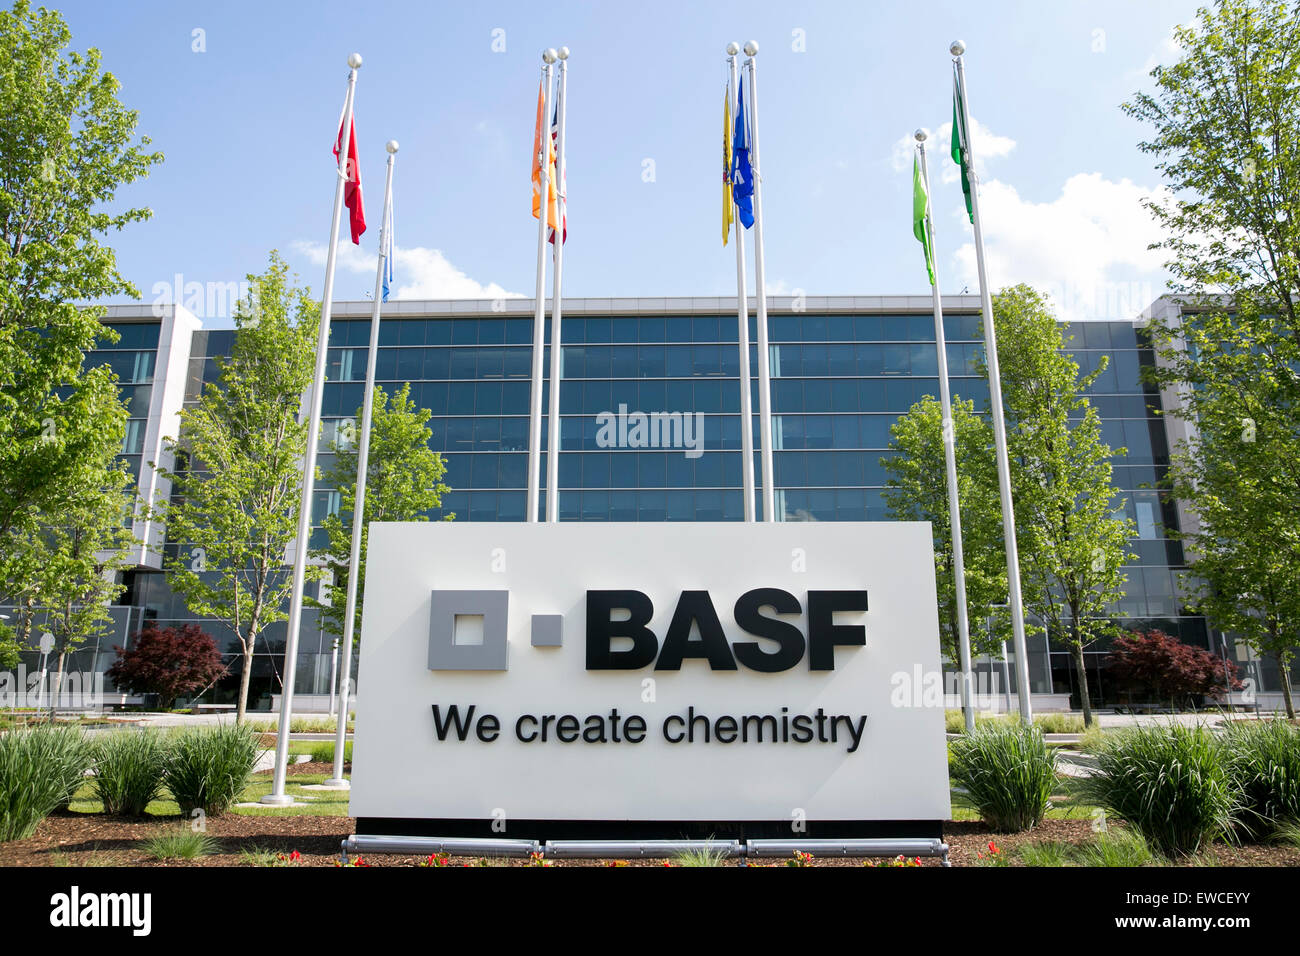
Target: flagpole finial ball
(733, 48)
(549, 55)
(354, 60)
(562, 53)
(956, 48)
(391, 146)
(751, 48)
(921, 135)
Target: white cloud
(1087, 248)
(428, 273)
(1167, 53)
(986, 143)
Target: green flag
(961, 143)
(921, 216)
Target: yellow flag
(728, 207)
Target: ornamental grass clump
(1170, 783)
(40, 771)
(208, 769)
(129, 770)
(1006, 773)
(1263, 759)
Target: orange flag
(542, 134)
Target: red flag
(352, 189)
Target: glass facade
(839, 381)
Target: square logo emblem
(467, 630)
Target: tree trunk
(1076, 650)
(58, 684)
(243, 683)
(1284, 672)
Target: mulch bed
(83, 839)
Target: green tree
(82, 552)
(917, 490)
(1070, 527)
(67, 145)
(1236, 471)
(236, 488)
(403, 482)
(1225, 121)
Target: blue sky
(247, 124)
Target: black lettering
(566, 729)
(802, 732)
(695, 607)
(824, 635)
(725, 725)
(692, 718)
(667, 736)
(519, 731)
(636, 725)
(789, 639)
(759, 723)
(593, 732)
(441, 726)
(601, 629)
(488, 729)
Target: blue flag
(742, 176)
(388, 259)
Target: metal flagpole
(760, 293)
(742, 315)
(363, 465)
(277, 795)
(553, 411)
(995, 402)
(949, 459)
(549, 56)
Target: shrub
(129, 771)
(40, 770)
(79, 757)
(1094, 738)
(1006, 773)
(1288, 834)
(179, 844)
(208, 769)
(703, 856)
(304, 725)
(1171, 783)
(169, 662)
(955, 723)
(1059, 723)
(1158, 667)
(1046, 853)
(1116, 848)
(1263, 760)
(323, 752)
